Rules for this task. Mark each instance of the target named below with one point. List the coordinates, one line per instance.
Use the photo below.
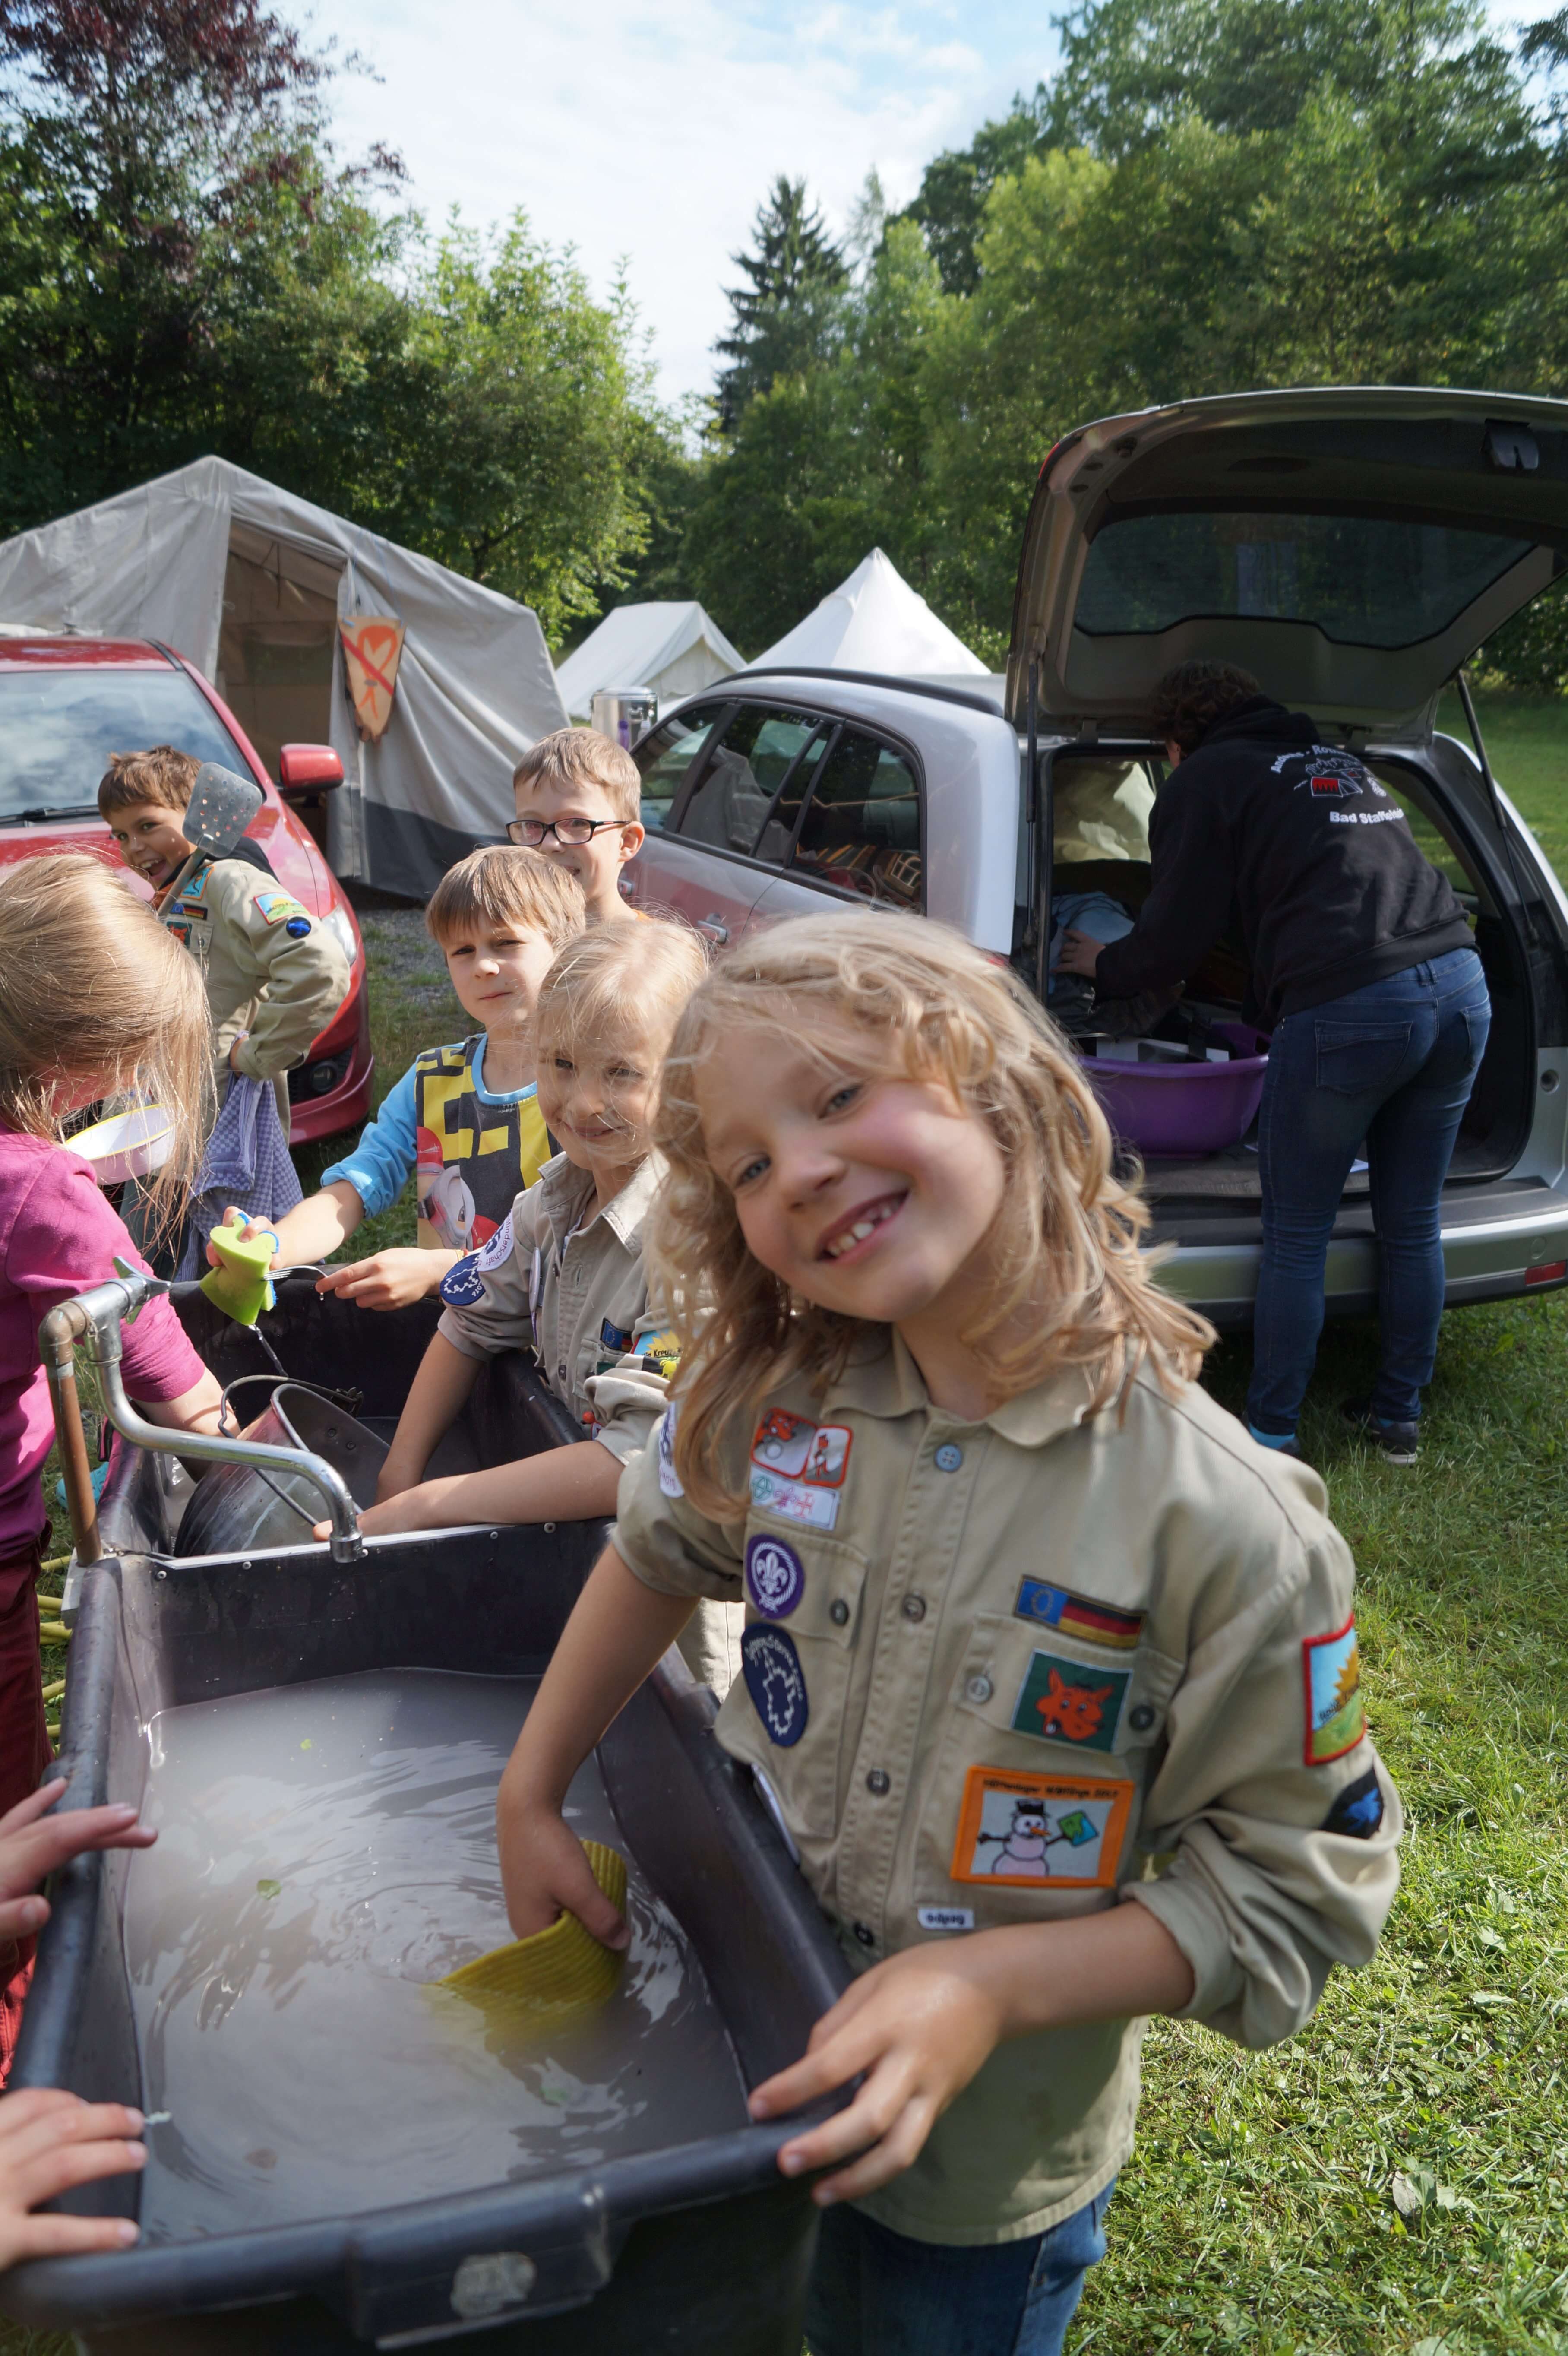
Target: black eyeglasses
(573, 831)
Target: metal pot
(239, 1507)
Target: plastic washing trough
(1166, 1106)
(695, 2245)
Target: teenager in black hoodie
(1362, 966)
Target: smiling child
(578, 797)
(464, 1118)
(1028, 1618)
(565, 1275)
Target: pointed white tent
(874, 621)
(249, 584)
(670, 646)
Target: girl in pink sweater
(96, 999)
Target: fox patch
(1062, 1701)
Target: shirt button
(838, 1613)
(1141, 1719)
(949, 1457)
(864, 1932)
(979, 1689)
(914, 1607)
(877, 1781)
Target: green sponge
(241, 1287)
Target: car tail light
(1551, 1271)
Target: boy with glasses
(579, 796)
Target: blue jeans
(877, 2293)
(1392, 1063)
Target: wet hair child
(565, 1274)
(95, 998)
(464, 1118)
(936, 1422)
(578, 796)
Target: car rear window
(58, 728)
(1363, 580)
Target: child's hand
(544, 1873)
(50, 2141)
(32, 1843)
(388, 1279)
(249, 1228)
(919, 2025)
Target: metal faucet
(92, 1320)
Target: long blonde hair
(927, 1006)
(95, 994)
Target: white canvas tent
(670, 646)
(874, 621)
(250, 583)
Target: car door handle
(713, 928)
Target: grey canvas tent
(249, 584)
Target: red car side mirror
(308, 769)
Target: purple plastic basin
(1174, 1111)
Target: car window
(861, 828)
(58, 728)
(749, 764)
(1430, 840)
(665, 757)
(1363, 580)
(1101, 808)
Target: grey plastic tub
(699, 2247)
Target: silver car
(1350, 547)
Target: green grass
(1526, 739)
(1258, 2212)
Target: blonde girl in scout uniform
(464, 1119)
(1049, 1673)
(565, 1275)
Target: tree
(150, 144)
(785, 317)
(956, 184)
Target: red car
(66, 703)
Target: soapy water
(325, 1851)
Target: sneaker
(1397, 1443)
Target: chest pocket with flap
(1041, 1710)
(786, 1712)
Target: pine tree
(785, 319)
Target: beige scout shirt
(577, 1296)
(280, 989)
(992, 1669)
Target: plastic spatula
(239, 1286)
(556, 1973)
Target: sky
(651, 138)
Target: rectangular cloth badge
(1064, 1701)
(798, 1501)
(1040, 1832)
(795, 1448)
(1336, 1714)
(277, 907)
(1077, 1615)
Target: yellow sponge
(556, 1973)
(241, 1287)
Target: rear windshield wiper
(40, 816)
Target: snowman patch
(1040, 1832)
